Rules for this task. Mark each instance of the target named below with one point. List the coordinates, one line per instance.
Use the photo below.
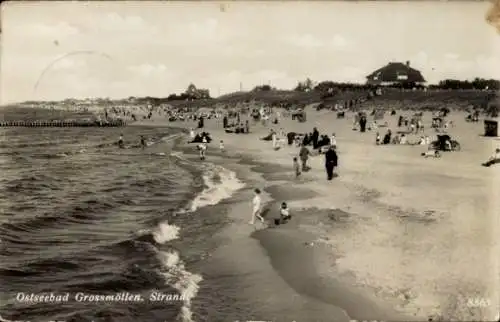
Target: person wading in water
(120, 142)
(331, 161)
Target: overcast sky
(123, 49)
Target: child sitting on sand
(284, 214)
(296, 167)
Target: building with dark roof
(395, 73)
(197, 92)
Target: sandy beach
(394, 237)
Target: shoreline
(370, 213)
(287, 252)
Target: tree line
(447, 84)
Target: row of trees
(448, 84)
(477, 83)
(263, 88)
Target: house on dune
(396, 73)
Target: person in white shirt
(265, 118)
(203, 148)
(192, 135)
(496, 156)
(256, 207)
(275, 140)
(221, 146)
(403, 139)
(284, 214)
(333, 141)
(494, 159)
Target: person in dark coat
(290, 137)
(331, 161)
(225, 121)
(306, 140)
(362, 124)
(201, 123)
(387, 137)
(314, 138)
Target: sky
(58, 50)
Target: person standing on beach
(315, 137)
(331, 161)
(274, 138)
(296, 167)
(247, 126)
(221, 146)
(333, 141)
(304, 156)
(203, 148)
(143, 142)
(256, 207)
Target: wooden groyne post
(58, 123)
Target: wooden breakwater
(59, 123)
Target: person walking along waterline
(331, 161)
(256, 207)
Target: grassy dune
(391, 98)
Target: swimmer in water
(143, 142)
(120, 142)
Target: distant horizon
(118, 50)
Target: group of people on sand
(277, 138)
(400, 139)
(238, 127)
(121, 142)
(324, 145)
